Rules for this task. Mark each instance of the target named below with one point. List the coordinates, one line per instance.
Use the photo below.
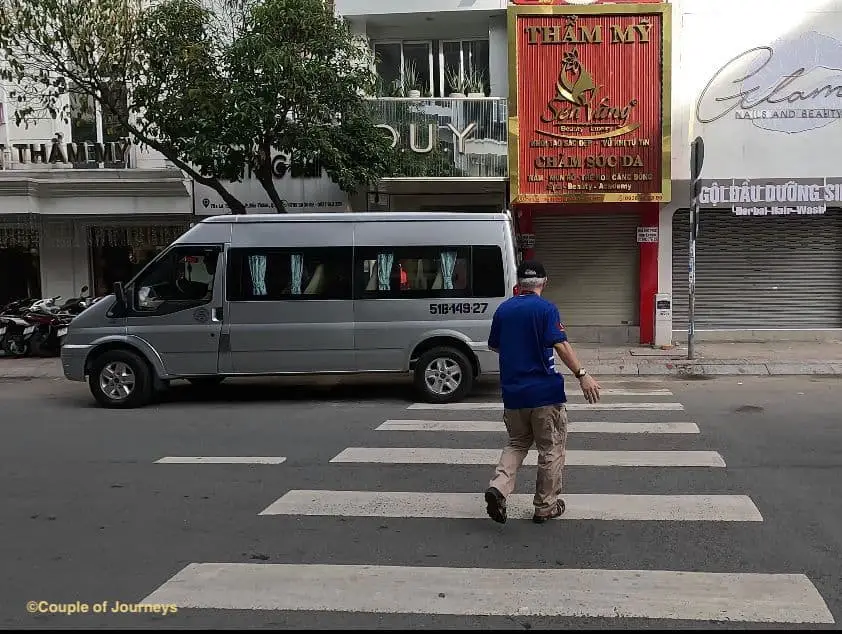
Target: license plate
(62, 332)
(29, 331)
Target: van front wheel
(121, 379)
(443, 375)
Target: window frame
(369, 252)
(170, 306)
(237, 257)
(463, 61)
(431, 88)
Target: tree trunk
(264, 177)
(233, 202)
(236, 206)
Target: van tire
(448, 359)
(140, 373)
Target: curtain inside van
(257, 267)
(384, 270)
(296, 272)
(448, 264)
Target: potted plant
(457, 83)
(411, 81)
(476, 85)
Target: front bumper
(73, 358)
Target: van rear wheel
(121, 379)
(443, 375)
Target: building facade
(765, 100)
(577, 115)
(80, 206)
(480, 73)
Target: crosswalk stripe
(649, 594)
(464, 406)
(675, 508)
(595, 427)
(221, 460)
(631, 392)
(575, 458)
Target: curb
(675, 368)
(719, 368)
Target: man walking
(524, 332)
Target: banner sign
(773, 197)
(303, 189)
(589, 106)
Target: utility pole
(697, 159)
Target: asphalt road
(88, 515)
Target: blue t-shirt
(524, 330)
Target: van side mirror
(120, 294)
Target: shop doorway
(20, 274)
(119, 253)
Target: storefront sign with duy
(589, 109)
(303, 188)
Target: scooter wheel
(16, 348)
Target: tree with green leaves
(218, 90)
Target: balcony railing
(456, 138)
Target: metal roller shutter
(593, 267)
(760, 272)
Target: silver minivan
(303, 294)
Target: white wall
(498, 54)
(384, 7)
(63, 258)
(710, 33)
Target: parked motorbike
(17, 336)
(38, 327)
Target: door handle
(216, 314)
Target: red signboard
(590, 120)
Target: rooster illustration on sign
(575, 83)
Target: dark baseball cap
(531, 269)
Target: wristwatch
(581, 373)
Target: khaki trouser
(547, 428)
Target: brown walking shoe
(496, 505)
(556, 512)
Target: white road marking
(436, 455)
(466, 406)
(667, 508)
(649, 594)
(629, 392)
(220, 460)
(572, 427)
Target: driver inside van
(195, 290)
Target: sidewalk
(716, 359)
(712, 359)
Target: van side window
(289, 274)
(413, 272)
(182, 278)
(489, 280)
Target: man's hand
(590, 388)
